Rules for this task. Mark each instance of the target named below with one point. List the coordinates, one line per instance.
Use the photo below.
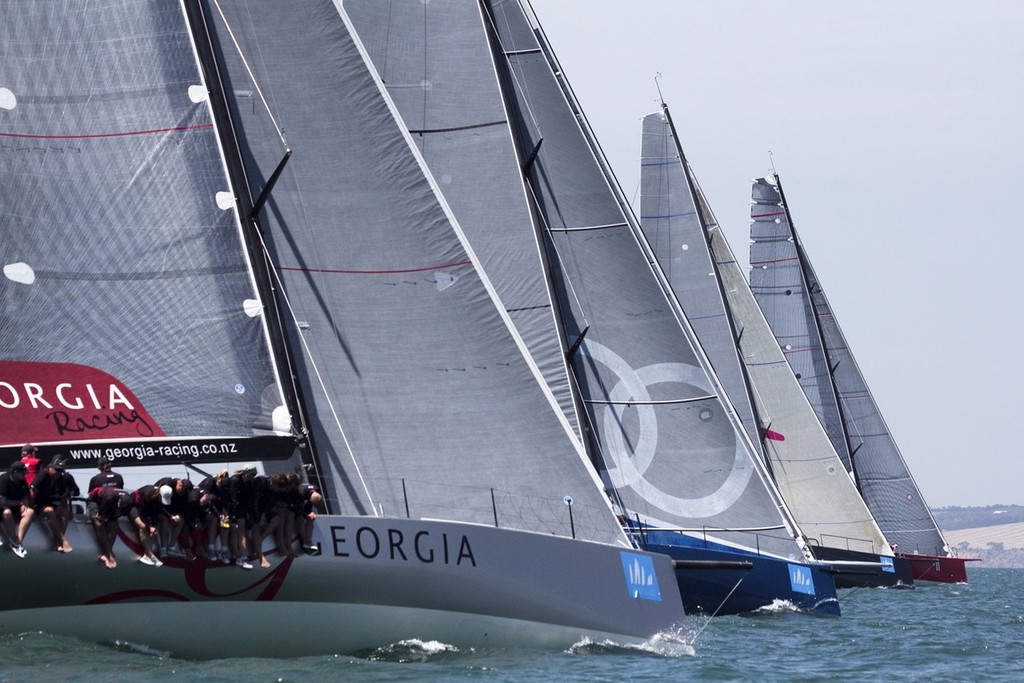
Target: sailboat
(187, 287)
(789, 293)
(694, 253)
(667, 444)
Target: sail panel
(420, 397)
(128, 307)
(670, 220)
(436, 63)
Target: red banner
(66, 402)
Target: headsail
(790, 294)
(422, 398)
(131, 322)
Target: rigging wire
(252, 76)
(280, 284)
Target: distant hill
(994, 533)
(952, 518)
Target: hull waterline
(895, 572)
(376, 582)
(938, 568)
(719, 591)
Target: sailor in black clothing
(104, 525)
(106, 477)
(303, 499)
(243, 513)
(215, 506)
(173, 523)
(110, 503)
(51, 497)
(273, 515)
(15, 503)
(145, 513)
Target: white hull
(377, 582)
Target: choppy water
(969, 632)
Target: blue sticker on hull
(800, 579)
(641, 581)
(887, 565)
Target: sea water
(947, 632)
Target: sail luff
(251, 235)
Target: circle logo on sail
(630, 463)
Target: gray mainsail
(790, 294)
(667, 440)
(422, 399)
(673, 226)
(131, 324)
(438, 68)
(809, 474)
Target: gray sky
(896, 129)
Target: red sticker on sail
(68, 402)
(774, 436)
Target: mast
(253, 237)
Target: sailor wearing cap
(15, 504)
(51, 498)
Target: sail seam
(341, 271)
(473, 126)
(85, 136)
(674, 401)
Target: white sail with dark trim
(790, 294)
(666, 440)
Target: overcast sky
(896, 129)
